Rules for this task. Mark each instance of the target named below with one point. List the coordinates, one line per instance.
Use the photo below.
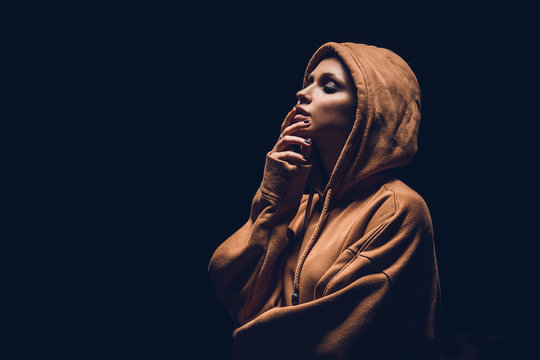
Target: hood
(384, 134)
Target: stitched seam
(367, 205)
(396, 206)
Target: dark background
(137, 139)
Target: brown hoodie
(347, 271)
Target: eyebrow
(328, 75)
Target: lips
(300, 111)
(301, 114)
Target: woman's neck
(329, 155)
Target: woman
(347, 270)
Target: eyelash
(327, 89)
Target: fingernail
(307, 121)
(307, 141)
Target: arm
(246, 268)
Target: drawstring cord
(320, 223)
(307, 216)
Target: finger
(287, 141)
(291, 157)
(305, 150)
(291, 129)
(288, 119)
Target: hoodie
(347, 269)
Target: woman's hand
(284, 148)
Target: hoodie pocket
(342, 261)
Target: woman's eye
(329, 89)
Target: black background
(137, 140)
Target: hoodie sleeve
(377, 303)
(246, 268)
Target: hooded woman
(337, 259)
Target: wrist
(284, 181)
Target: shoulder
(411, 210)
(404, 197)
(395, 202)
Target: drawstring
(320, 223)
(307, 216)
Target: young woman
(337, 259)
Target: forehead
(330, 65)
(334, 66)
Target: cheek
(337, 113)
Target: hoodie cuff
(283, 181)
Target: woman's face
(329, 100)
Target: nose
(303, 96)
